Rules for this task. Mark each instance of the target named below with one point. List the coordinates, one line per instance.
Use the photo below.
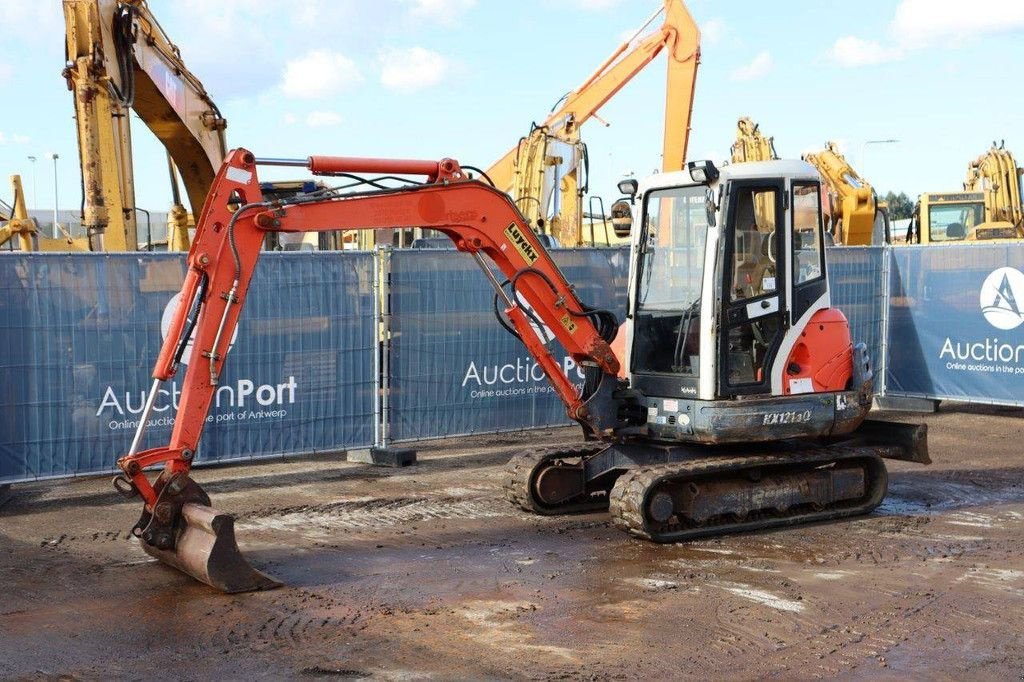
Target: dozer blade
(206, 550)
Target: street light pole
(35, 197)
(56, 203)
(863, 145)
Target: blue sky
(464, 78)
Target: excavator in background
(546, 173)
(853, 214)
(120, 60)
(18, 224)
(997, 175)
(742, 400)
(988, 209)
(751, 144)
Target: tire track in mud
(372, 513)
(292, 617)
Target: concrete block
(383, 457)
(900, 404)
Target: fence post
(381, 344)
(384, 340)
(883, 353)
(381, 452)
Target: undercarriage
(678, 492)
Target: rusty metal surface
(421, 573)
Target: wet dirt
(427, 572)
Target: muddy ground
(427, 572)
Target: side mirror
(709, 207)
(622, 217)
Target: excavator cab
(730, 309)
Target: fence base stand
(901, 404)
(383, 457)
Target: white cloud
(290, 119)
(14, 139)
(712, 31)
(447, 12)
(36, 18)
(852, 51)
(759, 66)
(411, 69)
(320, 73)
(322, 119)
(6, 71)
(592, 5)
(921, 23)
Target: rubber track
(519, 472)
(628, 495)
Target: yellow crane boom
(121, 60)
(536, 170)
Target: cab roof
(790, 168)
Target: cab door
(754, 291)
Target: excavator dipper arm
(479, 219)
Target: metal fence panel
(955, 323)
(454, 370)
(856, 276)
(80, 333)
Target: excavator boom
(177, 525)
(524, 170)
(120, 60)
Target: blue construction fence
(79, 334)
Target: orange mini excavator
(743, 400)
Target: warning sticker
(568, 323)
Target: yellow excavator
(120, 60)
(853, 215)
(546, 172)
(988, 209)
(17, 225)
(997, 175)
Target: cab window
(754, 249)
(807, 247)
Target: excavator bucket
(207, 551)
(185, 532)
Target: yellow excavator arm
(120, 59)
(524, 170)
(996, 174)
(853, 204)
(19, 224)
(751, 144)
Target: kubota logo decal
(1001, 296)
